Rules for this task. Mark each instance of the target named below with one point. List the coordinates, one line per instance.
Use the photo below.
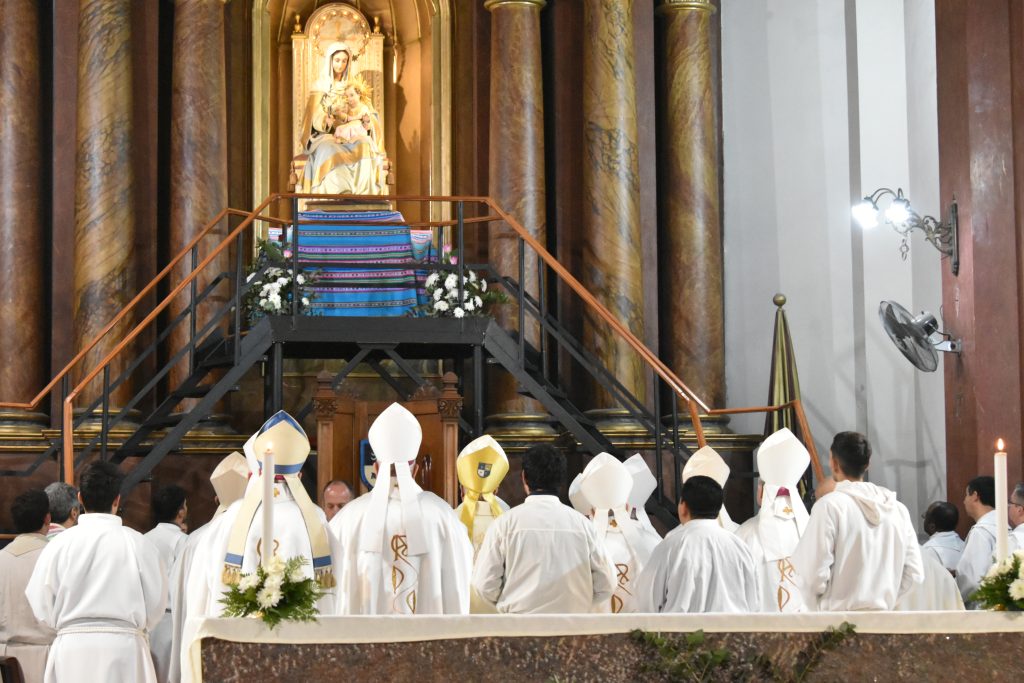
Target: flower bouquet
(443, 293)
(1002, 589)
(274, 594)
(269, 283)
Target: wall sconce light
(904, 220)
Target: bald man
(336, 495)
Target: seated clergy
(940, 520)
(772, 534)
(859, 550)
(543, 557)
(937, 592)
(644, 485)
(21, 635)
(336, 495)
(980, 546)
(100, 585)
(404, 550)
(170, 510)
(481, 466)
(706, 462)
(229, 479)
(1016, 517)
(606, 484)
(699, 566)
(64, 507)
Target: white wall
(824, 101)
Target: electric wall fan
(917, 338)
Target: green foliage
(1002, 589)
(687, 659)
(278, 593)
(269, 283)
(442, 289)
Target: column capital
(492, 5)
(675, 5)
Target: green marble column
(104, 184)
(611, 187)
(690, 248)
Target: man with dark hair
(859, 550)
(100, 585)
(64, 507)
(940, 520)
(336, 495)
(699, 566)
(21, 635)
(170, 510)
(542, 556)
(980, 504)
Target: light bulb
(866, 214)
(898, 211)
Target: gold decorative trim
(673, 5)
(489, 5)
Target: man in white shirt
(607, 484)
(170, 509)
(699, 566)
(940, 520)
(976, 558)
(859, 550)
(1016, 515)
(403, 549)
(100, 585)
(706, 462)
(64, 507)
(773, 533)
(21, 635)
(542, 556)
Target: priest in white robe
(706, 462)
(543, 557)
(1015, 511)
(773, 533)
(644, 484)
(404, 550)
(944, 543)
(699, 566)
(21, 635)
(481, 467)
(229, 480)
(937, 592)
(859, 550)
(101, 587)
(980, 546)
(170, 509)
(607, 484)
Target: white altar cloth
(389, 629)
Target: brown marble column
(22, 313)
(199, 158)
(104, 183)
(516, 165)
(690, 249)
(612, 268)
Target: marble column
(104, 185)
(22, 312)
(612, 269)
(199, 157)
(690, 249)
(516, 166)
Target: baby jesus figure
(356, 118)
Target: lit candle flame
(1000, 445)
(270, 446)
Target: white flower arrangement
(272, 293)
(443, 293)
(1002, 589)
(279, 592)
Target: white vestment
(543, 557)
(858, 552)
(947, 546)
(699, 567)
(628, 562)
(776, 576)
(179, 602)
(977, 556)
(169, 540)
(481, 523)
(100, 585)
(21, 634)
(393, 581)
(938, 591)
(1016, 540)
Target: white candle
(268, 506)
(1002, 521)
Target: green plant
(442, 291)
(1002, 589)
(269, 283)
(274, 594)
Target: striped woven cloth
(363, 290)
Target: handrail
(130, 306)
(801, 418)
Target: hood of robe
(873, 501)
